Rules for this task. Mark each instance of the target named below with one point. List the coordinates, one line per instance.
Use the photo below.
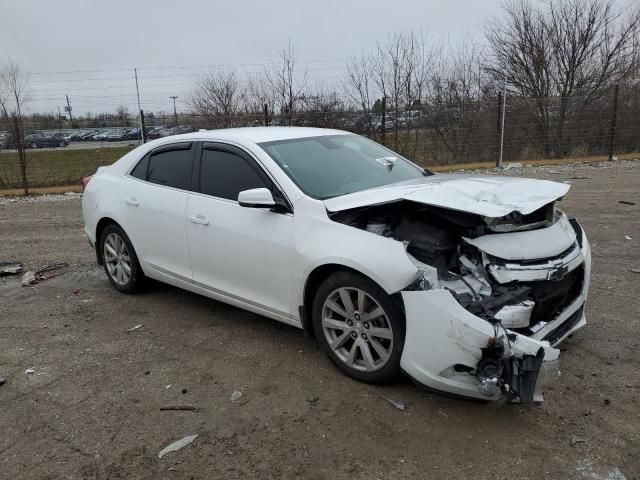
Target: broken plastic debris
(29, 371)
(635, 270)
(187, 408)
(10, 268)
(45, 273)
(3, 381)
(625, 202)
(399, 405)
(628, 237)
(235, 396)
(169, 386)
(132, 329)
(576, 440)
(175, 446)
(28, 278)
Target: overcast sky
(83, 36)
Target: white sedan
(464, 283)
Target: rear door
(154, 198)
(242, 252)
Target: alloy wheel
(357, 329)
(117, 259)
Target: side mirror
(256, 198)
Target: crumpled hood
(489, 196)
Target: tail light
(85, 182)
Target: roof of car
(261, 134)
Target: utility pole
(68, 109)
(143, 136)
(504, 112)
(175, 112)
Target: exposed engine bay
(518, 272)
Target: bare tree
(13, 95)
(218, 97)
(286, 87)
(572, 50)
(453, 111)
(359, 85)
(123, 115)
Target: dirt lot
(91, 409)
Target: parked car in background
(466, 283)
(43, 140)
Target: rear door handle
(133, 201)
(200, 220)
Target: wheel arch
(100, 226)
(319, 274)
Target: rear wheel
(120, 260)
(34, 145)
(359, 327)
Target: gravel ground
(91, 407)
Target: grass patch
(48, 168)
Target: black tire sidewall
(137, 276)
(389, 372)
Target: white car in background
(465, 283)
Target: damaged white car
(465, 283)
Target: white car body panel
(225, 254)
(151, 214)
(482, 195)
(528, 245)
(260, 260)
(440, 334)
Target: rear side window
(168, 167)
(140, 171)
(224, 175)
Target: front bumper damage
(449, 349)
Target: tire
(34, 145)
(365, 346)
(62, 144)
(120, 261)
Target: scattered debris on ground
(399, 405)
(175, 446)
(10, 268)
(186, 408)
(625, 202)
(576, 440)
(3, 381)
(313, 401)
(635, 270)
(29, 278)
(235, 396)
(46, 273)
(29, 371)
(133, 329)
(627, 237)
(41, 198)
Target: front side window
(224, 175)
(333, 165)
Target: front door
(241, 252)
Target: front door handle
(133, 201)
(200, 220)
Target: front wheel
(359, 326)
(120, 260)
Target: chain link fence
(438, 134)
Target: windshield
(333, 165)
